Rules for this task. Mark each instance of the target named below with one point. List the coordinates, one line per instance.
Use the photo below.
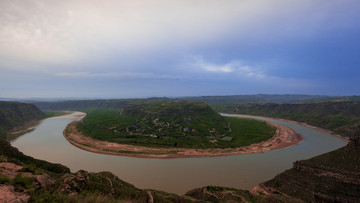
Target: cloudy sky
(120, 49)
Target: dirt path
(283, 138)
(151, 198)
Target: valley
(266, 191)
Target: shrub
(4, 179)
(22, 181)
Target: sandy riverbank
(283, 138)
(71, 114)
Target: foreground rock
(9, 194)
(16, 182)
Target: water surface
(176, 175)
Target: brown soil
(283, 138)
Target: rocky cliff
(331, 177)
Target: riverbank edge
(284, 137)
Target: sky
(124, 49)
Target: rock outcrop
(15, 188)
(8, 194)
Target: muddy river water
(176, 175)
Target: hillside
(173, 124)
(14, 114)
(331, 177)
(341, 117)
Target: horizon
(120, 49)
(59, 99)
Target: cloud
(267, 42)
(232, 67)
(63, 32)
(114, 75)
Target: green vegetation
(31, 169)
(4, 179)
(248, 131)
(331, 177)
(21, 181)
(14, 114)
(341, 117)
(173, 124)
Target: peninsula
(175, 130)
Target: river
(176, 175)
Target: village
(159, 128)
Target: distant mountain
(333, 99)
(211, 100)
(256, 99)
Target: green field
(175, 124)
